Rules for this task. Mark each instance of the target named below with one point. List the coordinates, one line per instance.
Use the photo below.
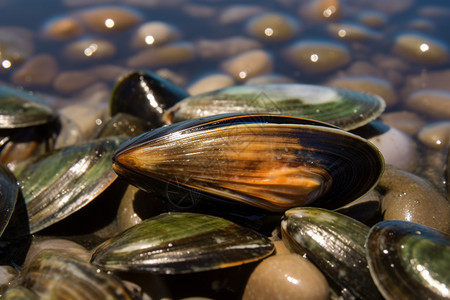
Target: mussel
(8, 196)
(343, 108)
(272, 162)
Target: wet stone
(248, 64)
(63, 28)
(239, 12)
(372, 18)
(73, 81)
(210, 83)
(167, 55)
(269, 79)
(351, 32)
(223, 48)
(16, 46)
(39, 70)
(405, 121)
(154, 33)
(436, 135)
(318, 57)
(273, 27)
(89, 50)
(433, 103)
(421, 49)
(321, 10)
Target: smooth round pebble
(210, 83)
(223, 48)
(287, 276)
(239, 12)
(72, 81)
(273, 27)
(280, 248)
(351, 32)
(408, 197)
(372, 18)
(398, 149)
(248, 64)
(154, 33)
(367, 84)
(321, 10)
(433, 103)
(89, 50)
(269, 78)
(406, 121)
(168, 55)
(422, 25)
(39, 70)
(16, 46)
(63, 28)
(318, 57)
(436, 135)
(421, 49)
(109, 18)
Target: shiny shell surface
(343, 108)
(20, 109)
(8, 196)
(182, 242)
(334, 243)
(271, 162)
(409, 260)
(60, 183)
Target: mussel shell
(20, 109)
(8, 196)
(60, 183)
(182, 242)
(333, 242)
(272, 162)
(343, 108)
(409, 260)
(19, 293)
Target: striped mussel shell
(272, 162)
(343, 108)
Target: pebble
(39, 70)
(105, 19)
(408, 197)
(210, 83)
(273, 27)
(154, 33)
(421, 49)
(422, 25)
(368, 84)
(286, 276)
(72, 81)
(390, 7)
(352, 32)
(168, 55)
(321, 10)
(372, 18)
(436, 135)
(433, 103)
(406, 121)
(89, 50)
(63, 28)
(238, 13)
(430, 80)
(223, 48)
(198, 11)
(248, 64)
(16, 46)
(365, 209)
(318, 57)
(269, 78)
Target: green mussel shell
(58, 184)
(343, 108)
(409, 260)
(182, 242)
(333, 242)
(20, 109)
(8, 196)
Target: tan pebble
(436, 135)
(88, 117)
(273, 27)
(315, 57)
(421, 49)
(269, 78)
(422, 25)
(372, 18)
(239, 12)
(154, 34)
(433, 103)
(288, 276)
(405, 121)
(63, 28)
(16, 46)
(411, 198)
(280, 248)
(109, 18)
(168, 55)
(321, 10)
(108, 72)
(199, 11)
(433, 11)
(39, 70)
(391, 7)
(89, 50)
(398, 149)
(227, 47)
(210, 83)
(170, 75)
(368, 84)
(248, 64)
(432, 80)
(351, 32)
(72, 81)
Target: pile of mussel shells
(206, 186)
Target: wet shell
(333, 242)
(272, 162)
(182, 242)
(8, 196)
(343, 108)
(20, 109)
(58, 184)
(409, 260)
